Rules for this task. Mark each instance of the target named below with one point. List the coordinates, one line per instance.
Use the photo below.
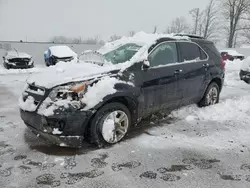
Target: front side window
(122, 54)
(163, 54)
(191, 51)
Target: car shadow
(39, 144)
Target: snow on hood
(68, 72)
(62, 51)
(232, 52)
(16, 54)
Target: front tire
(110, 124)
(211, 95)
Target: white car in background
(17, 60)
(57, 54)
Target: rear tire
(110, 124)
(211, 95)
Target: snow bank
(234, 109)
(232, 77)
(246, 64)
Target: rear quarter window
(191, 51)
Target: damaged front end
(56, 114)
(19, 63)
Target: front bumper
(12, 66)
(64, 129)
(245, 76)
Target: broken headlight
(73, 91)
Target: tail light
(223, 64)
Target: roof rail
(189, 35)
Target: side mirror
(145, 64)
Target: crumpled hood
(68, 72)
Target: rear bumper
(64, 129)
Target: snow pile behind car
(246, 65)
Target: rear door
(159, 81)
(195, 64)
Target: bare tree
(114, 37)
(196, 14)
(234, 11)
(210, 17)
(178, 25)
(155, 29)
(131, 33)
(76, 40)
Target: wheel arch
(218, 81)
(126, 100)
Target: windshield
(122, 54)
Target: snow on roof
(16, 54)
(232, 52)
(67, 72)
(62, 51)
(140, 38)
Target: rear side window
(191, 51)
(163, 54)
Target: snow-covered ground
(192, 147)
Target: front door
(194, 63)
(159, 82)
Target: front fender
(123, 90)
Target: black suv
(178, 71)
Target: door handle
(177, 71)
(206, 65)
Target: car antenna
(16, 51)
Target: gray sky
(41, 19)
